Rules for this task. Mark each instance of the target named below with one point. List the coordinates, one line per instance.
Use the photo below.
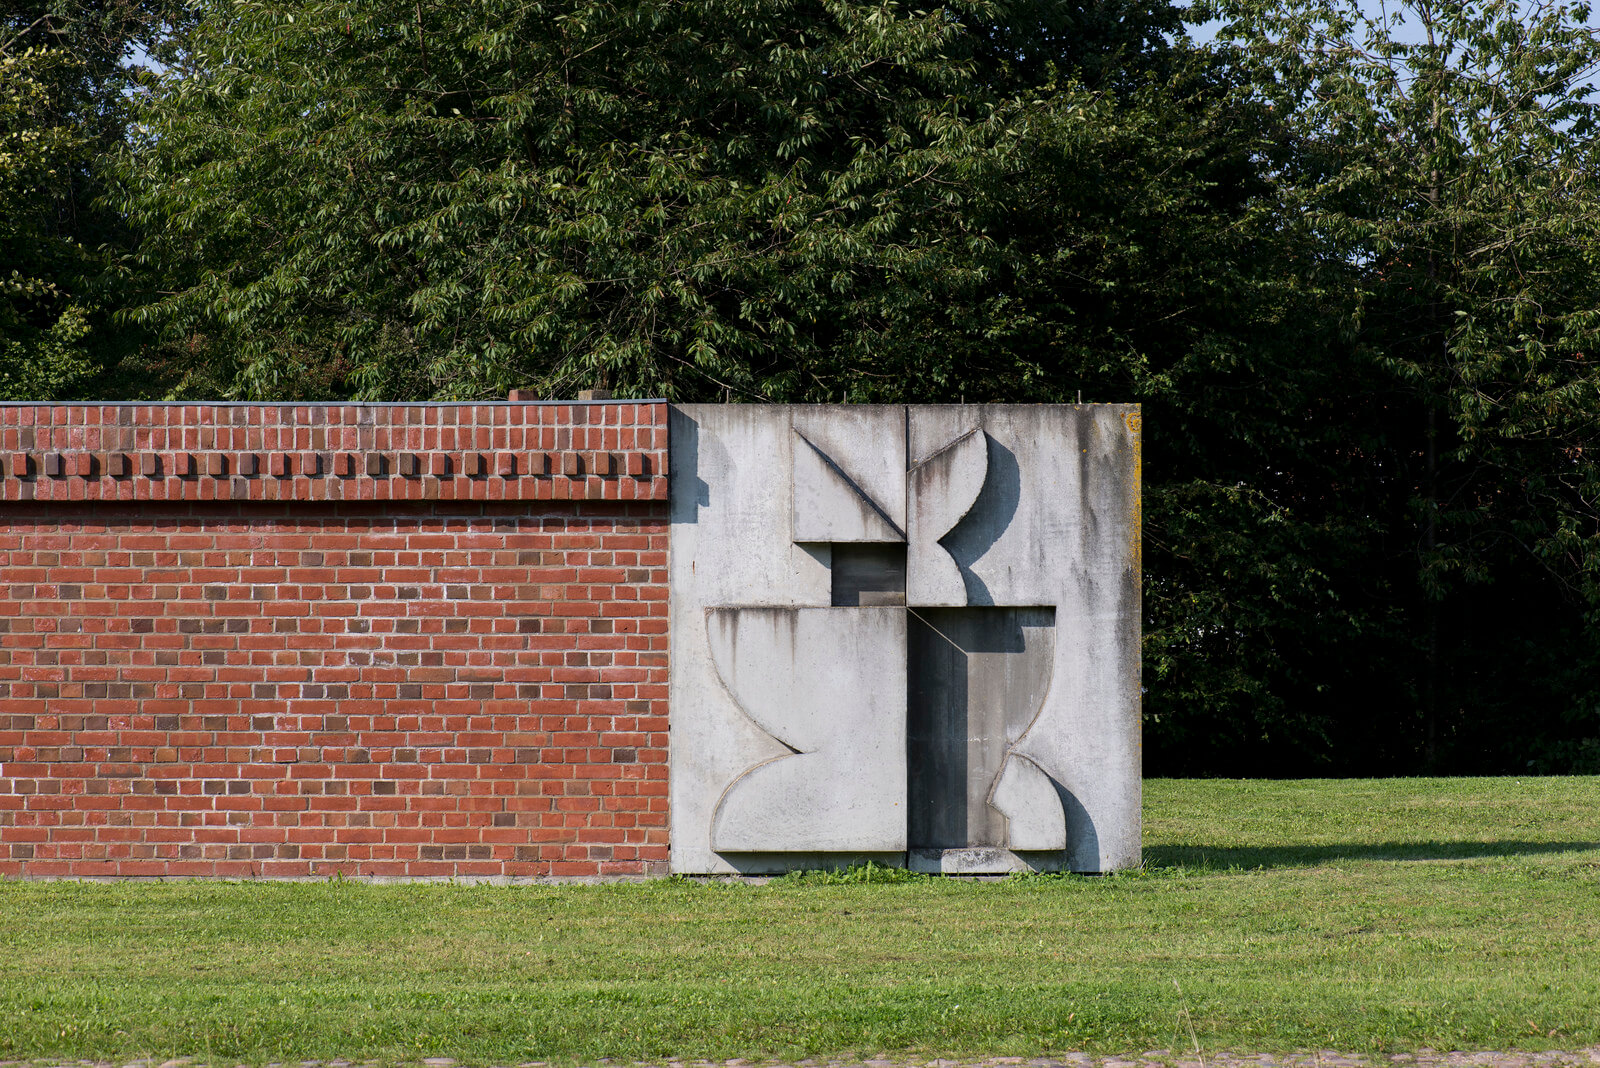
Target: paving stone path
(1159, 1058)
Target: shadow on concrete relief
(906, 634)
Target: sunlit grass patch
(1273, 915)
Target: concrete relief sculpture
(907, 634)
(848, 482)
(813, 679)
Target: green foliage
(41, 330)
(1458, 177)
(766, 199)
(63, 79)
(868, 874)
(1347, 265)
(1447, 165)
(732, 198)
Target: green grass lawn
(1358, 915)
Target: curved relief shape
(848, 478)
(828, 684)
(1023, 792)
(1029, 800)
(980, 680)
(943, 489)
(986, 522)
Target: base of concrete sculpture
(984, 861)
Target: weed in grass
(1188, 1021)
(867, 874)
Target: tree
(790, 200)
(1448, 164)
(41, 330)
(64, 73)
(1350, 277)
(737, 198)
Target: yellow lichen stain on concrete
(1133, 419)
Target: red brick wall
(444, 674)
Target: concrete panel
(829, 684)
(731, 545)
(978, 679)
(1057, 523)
(942, 490)
(1050, 525)
(849, 474)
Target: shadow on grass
(1214, 857)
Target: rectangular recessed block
(868, 574)
(977, 681)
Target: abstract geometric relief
(904, 632)
(832, 684)
(942, 490)
(815, 679)
(978, 678)
(847, 487)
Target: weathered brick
(333, 682)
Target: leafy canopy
(736, 198)
(66, 67)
